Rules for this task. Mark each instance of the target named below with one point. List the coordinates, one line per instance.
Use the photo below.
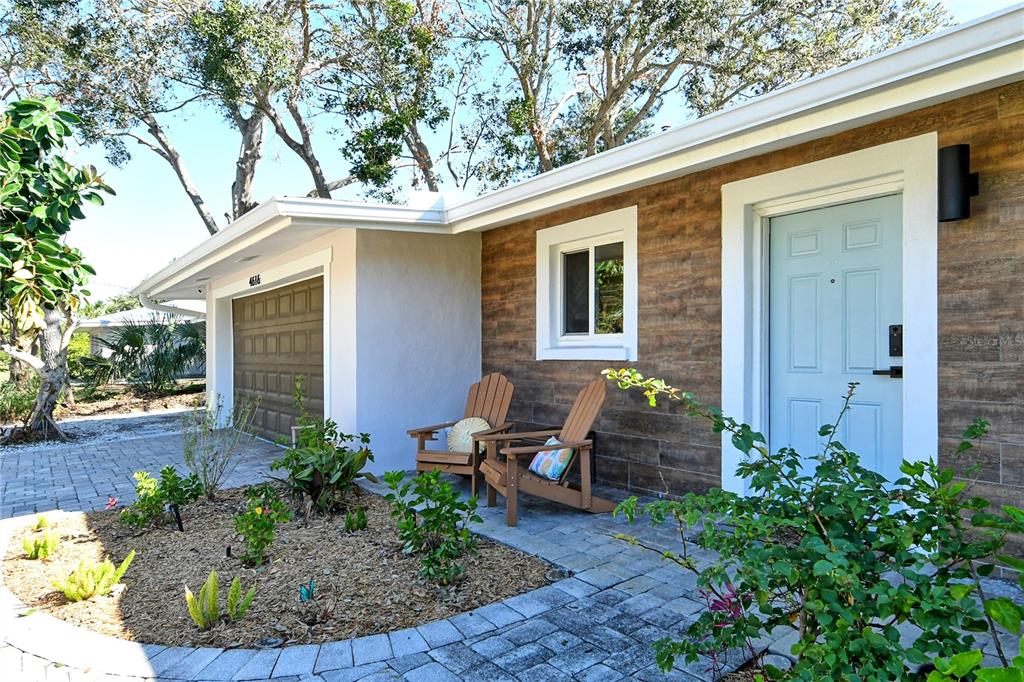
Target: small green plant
(205, 609)
(155, 497)
(323, 464)
(42, 523)
(211, 446)
(834, 552)
(93, 579)
(40, 546)
(263, 511)
(355, 521)
(432, 521)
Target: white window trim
(586, 233)
(909, 167)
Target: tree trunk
(171, 155)
(249, 155)
(20, 373)
(53, 376)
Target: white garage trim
(907, 166)
(220, 345)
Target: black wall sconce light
(957, 184)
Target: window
(586, 288)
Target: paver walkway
(598, 624)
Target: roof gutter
(147, 302)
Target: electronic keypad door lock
(896, 340)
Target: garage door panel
(278, 336)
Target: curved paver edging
(35, 632)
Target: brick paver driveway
(79, 477)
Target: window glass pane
(608, 272)
(576, 292)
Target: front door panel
(835, 287)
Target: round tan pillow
(460, 436)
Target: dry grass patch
(364, 583)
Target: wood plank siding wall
(981, 308)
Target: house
(103, 327)
(761, 257)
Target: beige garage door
(279, 335)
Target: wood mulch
(113, 400)
(364, 583)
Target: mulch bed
(364, 583)
(114, 400)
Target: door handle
(894, 372)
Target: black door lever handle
(895, 372)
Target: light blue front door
(835, 287)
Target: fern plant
(205, 609)
(93, 579)
(40, 546)
(355, 521)
(42, 523)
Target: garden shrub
(149, 356)
(205, 609)
(93, 579)
(40, 546)
(154, 497)
(433, 522)
(263, 511)
(211, 448)
(837, 554)
(16, 401)
(323, 464)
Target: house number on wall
(254, 281)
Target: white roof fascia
(975, 56)
(278, 213)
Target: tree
(583, 76)
(41, 277)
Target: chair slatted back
(490, 398)
(584, 412)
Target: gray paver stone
(543, 673)
(598, 673)
(404, 664)
(190, 666)
(499, 614)
(470, 624)
(457, 657)
(333, 656)
(578, 658)
(439, 633)
(523, 657)
(351, 674)
(530, 631)
(492, 647)
(408, 641)
(370, 649)
(227, 664)
(259, 667)
(488, 672)
(431, 672)
(560, 641)
(296, 660)
(168, 658)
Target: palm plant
(150, 355)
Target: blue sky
(151, 221)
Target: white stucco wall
(402, 329)
(418, 335)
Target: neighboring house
(757, 257)
(105, 326)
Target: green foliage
(433, 521)
(40, 546)
(153, 496)
(114, 304)
(16, 401)
(205, 609)
(42, 194)
(42, 523)
(837, 554)
(93, 579)
(211, 445)
(263, 511)
(149, 355)
(355, 521)
(322, 465)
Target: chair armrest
(430, 429)
(533, 449)
(500, 428)
(518, 436)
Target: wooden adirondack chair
(508, 478)
(488, 399)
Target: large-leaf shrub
(829, 550)
(324, 462)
